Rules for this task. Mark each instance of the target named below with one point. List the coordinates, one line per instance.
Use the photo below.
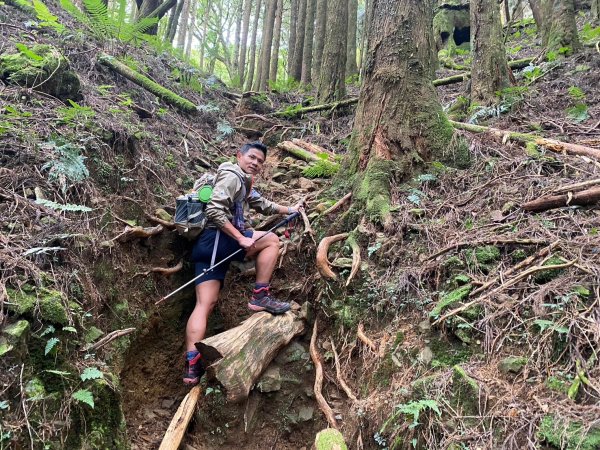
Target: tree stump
(238, 356)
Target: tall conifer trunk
(321, 22)
(559, 29)
(238, 34)
(292, 40)
(296, 72)
(252, 61)
(351, 68)
(332, 81)
(183, 24)
(399, 120)
(244, 41)
(309, 31)
(489, 70)
(267, 43)
(276, 42)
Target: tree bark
(174, 21)
(399, 118)
(321, 23)
(296, 72)
(307, 51)
(332, 82)
(351, 68)
(588, 197)
(267, 43)
(292, 39)
(190, 28)
(276, 42)
(365, 34)
(252, 62)
(204, 39)
(596, 11)
(536, 10)
(238, 356)
(559, 29)
(489, 70)
(183, 24)
(244, 41)
(239, 12)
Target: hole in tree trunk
(461, 35)
(445, 36)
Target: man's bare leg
(207, 294)
(266, 252)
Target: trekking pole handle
(208, 269)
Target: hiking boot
(193, 369)
(262, 300)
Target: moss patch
(568, 434)
(455, 296)
(330, 439)
(487, 254)
(545, 276)
(44, 304)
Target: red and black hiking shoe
(262, 300)
(194, 369)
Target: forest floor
(517, 369)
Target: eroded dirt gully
(280, 412)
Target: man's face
(252, 161)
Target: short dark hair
(257, 145)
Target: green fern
(46, 18)
(68, 163)
(321, 169)
(68, 207)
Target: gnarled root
(355, 259)
(323, 263)
(316, 358)
(164, 271)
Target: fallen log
(298, 151)
(587, 197)
(313, 148)
(551, 144)
(180, 421)
(163, 93)
(577, 186)
(237, 357)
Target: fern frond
(47, 19)
(321, 169)
(102, 24)
(69, 207)
(74, 11)
(142, 25)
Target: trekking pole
(208, 269)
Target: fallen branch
(502, 287)
(577, 186)
(355, 259)
(337, 204)
(295, 112)
(316, 359)
(138, 233)
(164, 271)
(107, 339)
(156, 220)
(323, 263)
(338, 373)
(365, 339)
(313, 148)
(587, 197)
(163, 93)
(238, 356)
(180, 421)
(459, 245)
(551, 144)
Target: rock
(512, 364)
(305, 413)
(424, 326)
(293, 352)
(425, 355)
(163, 215)
(14, 337)
(270, 380)
(48, 304)
(342, 262)
(307, 184)
(329, 439)
(321, 207)
(52, 66)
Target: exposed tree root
(338, 204)
(459, 245)
(323, 263)
(355, 259)
(316, 359)
(156, 220)
(131, 233)
(164, 271)
(338, 372)
(108, 338)
(587, 197)
(360, 333)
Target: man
(226, 233)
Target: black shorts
(202, 254)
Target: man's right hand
(246, 242)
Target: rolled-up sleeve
(226, 187)
(257, 202)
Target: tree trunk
(252, 62)
(399, 119)
(536, 10)
(174, 21)
(596, 11)
(559, 30)
(489, 70)
(332, 84)
(505, 16)
(276, 42)
(365, 35)
(244, 41)
(321, 23)
(238, 356)
(190, 28)
(203, 41)
(296, 72)
(292, 39)
(351, 68)
(267, 44)
(183, 24)
(307, 52)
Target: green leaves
(63, 207)
(68, 163)
(91, 373)
(84, 396)
(578, 113)
(415, 409)
(24, 50)
(50, 345)
(550, 325)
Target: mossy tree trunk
(399, 120)
(559, 30)
(489, 72)
(536, 10)
(331, 85)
